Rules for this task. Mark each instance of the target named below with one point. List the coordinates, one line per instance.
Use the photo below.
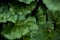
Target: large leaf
(46, 28)
(43, 34)
(15, 12)
(52, 4)
(19, 29)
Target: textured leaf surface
(43, 34)
(20, 29)
(15, 12)
(30, 19)
(40, 17)
(46, 28)
(52, 4)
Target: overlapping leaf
(15, 12)
(19, 29)
(45, 30)
(43, 34)
(18, 22)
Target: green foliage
(30, 19)
(19, 29)
(26, 1)
(52, 4)
(15, 12)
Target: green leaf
(43, 34)
(15, 12)
(53, 5)
(26, 1)
(49, 25)
(19, 29)
(40, 17)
